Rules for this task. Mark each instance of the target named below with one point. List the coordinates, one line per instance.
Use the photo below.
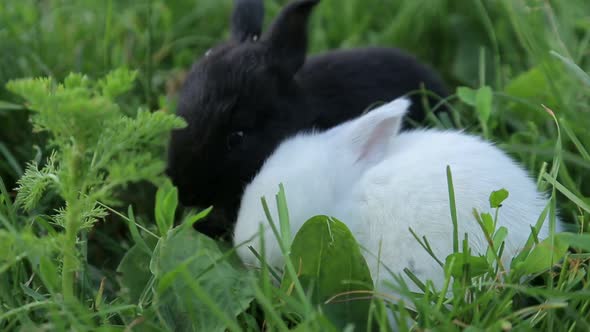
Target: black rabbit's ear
(287, 36)
(246, 21)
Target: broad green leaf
(478, 265)
(328, 258)
(33, 293)
(529, 84)
(544, 255)
(532, 85)
(198, 289)
(483, 103)
(488, 223)
(497, 197)
(166, 203)
(578, 241)
(466, 95)
(133, 271)
(500, 236)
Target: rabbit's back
(409, 189)
(342, 84)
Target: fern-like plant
(96, 149)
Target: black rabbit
(248, 94)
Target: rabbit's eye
(234, 139)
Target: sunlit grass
(526, 59)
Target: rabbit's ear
(287, 36)
(370, 134)
(246, 21)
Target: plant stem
(72, 225)
(69, 250)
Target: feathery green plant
(97, 149)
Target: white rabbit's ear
(370, 134)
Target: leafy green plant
(97, 149)
(331, 267)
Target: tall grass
(528, 61)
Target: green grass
(516, 63)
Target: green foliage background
(513, 62)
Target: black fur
(247, 20)
(264, 90)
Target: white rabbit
(381, 182)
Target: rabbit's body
(418, 160)
(247, 95)
(380, 184)
(342, 84)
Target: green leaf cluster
(188, 279)
(97, 149)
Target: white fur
(381, 182)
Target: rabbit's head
(240, 100)
(318, 171)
